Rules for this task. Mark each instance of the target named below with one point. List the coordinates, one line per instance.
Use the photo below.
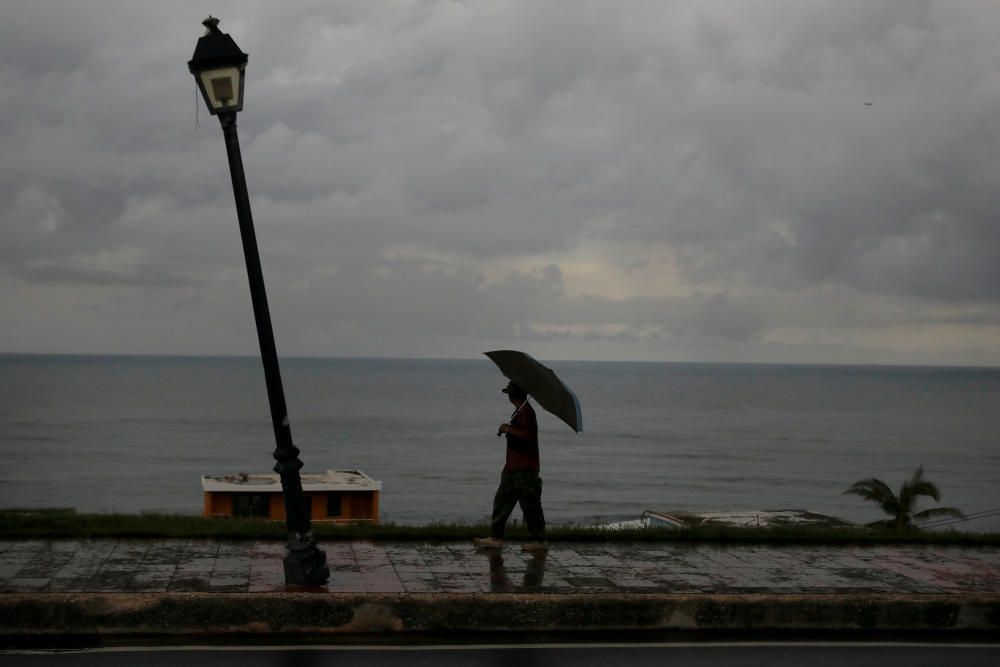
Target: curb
(336, 616)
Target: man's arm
(521, 433)
(523, 427)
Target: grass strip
(65, 523)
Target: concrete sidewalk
(123, 566)
(175, 586)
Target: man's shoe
(535, 546)
(488, 542)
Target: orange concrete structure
(336, 496)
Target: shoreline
(21, 524)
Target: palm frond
(870, 489)
(922, 488)
(877, 491)
(917, 486)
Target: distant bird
(868, 104)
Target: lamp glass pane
(222, 87)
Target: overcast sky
(688, 181)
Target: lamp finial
(212, 24)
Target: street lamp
(218, 67)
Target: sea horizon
(804, 364)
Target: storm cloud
(740, 181)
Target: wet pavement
(457, 567)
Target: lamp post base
(305, 563)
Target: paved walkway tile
(458, 567)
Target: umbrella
(541, 384)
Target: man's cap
(514, 389)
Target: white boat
(726, 518)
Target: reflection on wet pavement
(458, 567)
(500, 580)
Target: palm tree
(902, 507)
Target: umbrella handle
(515, 414)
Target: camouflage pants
(524, 487)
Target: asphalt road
(686, 655)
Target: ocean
(128, 434)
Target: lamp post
(218, 66)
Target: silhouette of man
(520, 482)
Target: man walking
(519, 481)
